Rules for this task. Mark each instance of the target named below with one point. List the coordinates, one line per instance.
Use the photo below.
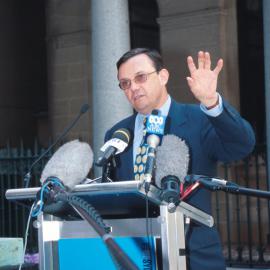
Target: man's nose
(134, 86)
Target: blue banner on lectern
(92, 254)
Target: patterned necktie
(141, 156)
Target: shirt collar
(164, 110)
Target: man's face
(149, 95)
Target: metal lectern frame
(167, 226)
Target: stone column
(266, 28)
(110, 39)
(188, 26)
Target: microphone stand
(214, 184)
(171, 198)
(106, 168)
(28, 175)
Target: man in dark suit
(213, 131)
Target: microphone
(27, 177)
(152, 141)
(207, 181)
(70, 164)
(116, 145)
(155, 125)
(172, 166)
(217, 184)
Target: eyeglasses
(139, 79)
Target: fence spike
(36, 147)
(21, 148)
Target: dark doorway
(144, 29)
(23, 80)
(251, 64)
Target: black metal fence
(243, 221)
(14, 164)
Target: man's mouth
(137, 97)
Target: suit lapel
(176, 119)
(127, 156)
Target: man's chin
(143, 110)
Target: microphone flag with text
(155, 126)
(172, 167)
(116, 145)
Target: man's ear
(164, 76)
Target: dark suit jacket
(224, 138)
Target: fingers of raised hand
(190, 82)
(207, 60)
(204, 60)
(191, 65)
(201, 60)
(219, 66)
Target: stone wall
(68, 53)
(189, 26)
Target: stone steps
(11, 251)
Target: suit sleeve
(228, 136)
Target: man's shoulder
(189, 109)
(127, 122)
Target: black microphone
(207, 181)
(213, 184)
(218, 184)
(116, 145)
(27, 177)
(172, 166)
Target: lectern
(122, 206)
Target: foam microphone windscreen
(70, 163)
(172, 158)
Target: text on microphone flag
(115, 142)
(155, 124)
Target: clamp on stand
(173, 213)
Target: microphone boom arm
(215, 184)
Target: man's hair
(151, 53)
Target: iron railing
(243, 222)
(14, 164)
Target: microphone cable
(55, 192)
(26, 235)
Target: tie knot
(156, 112)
